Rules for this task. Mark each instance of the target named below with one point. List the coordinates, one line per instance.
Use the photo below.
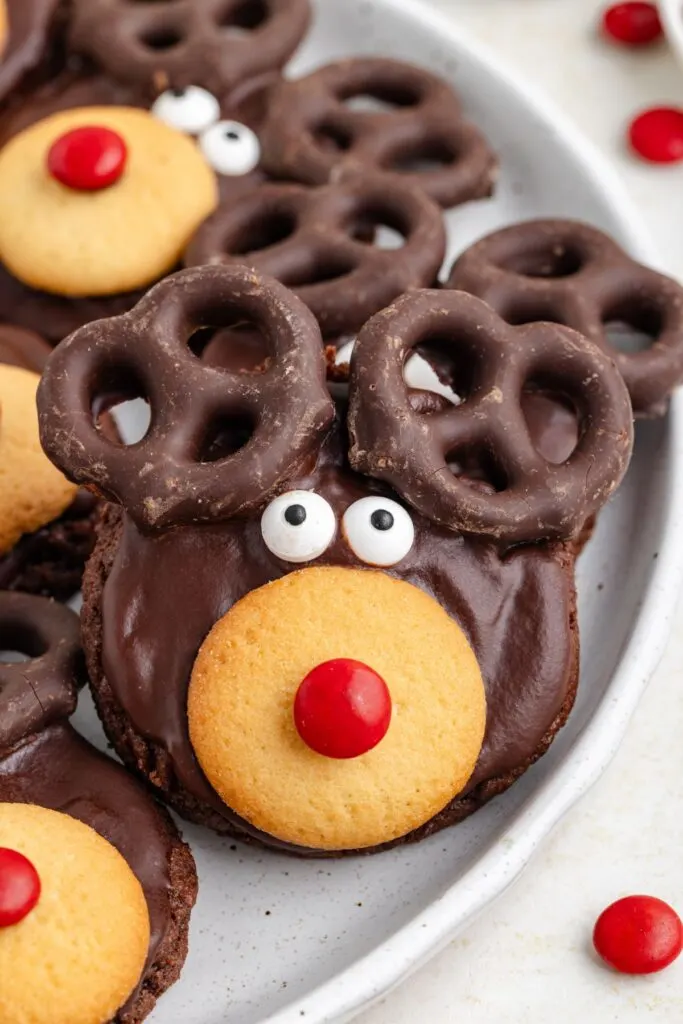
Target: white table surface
(528, 959)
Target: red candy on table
(657, 135)
(638, 935)
(342, 708)
(19, 887)
(88, 159)
(634, 23)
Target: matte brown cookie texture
(570, 273)
(327, 122)
(259, 544)
(86, 827)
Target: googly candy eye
(190, 110)
(379, 531)
(231, 148)
(298, 526)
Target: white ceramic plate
(283, 941)
(671, 12)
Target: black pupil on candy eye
(178, 93)
(232, 135)
(295, 515)
(382, 519)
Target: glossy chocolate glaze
(44, 761)
(165, 592)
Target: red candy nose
(19, 887)
(342, 708)
(87, 159)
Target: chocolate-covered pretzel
(311, 134)
(309, 240)
(42, 689)
(570, 273)
(529, 498)
(212, 43)
(268, 422)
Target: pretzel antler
(174, 474)
(533, 499)
(42, 690)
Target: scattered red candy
(88, 159)
(638, 935)
(19, 887)
(342, 708)
(634, 23)
(657, 135)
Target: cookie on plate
(96, 885)
(375, 590)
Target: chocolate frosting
(30, 25)
(166, 591)
(44, 761)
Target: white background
(528, 959)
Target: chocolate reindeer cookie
(114, 199)
(47, 526)
(571, 273)
(316, 129)
(96, 886)
(287, 647)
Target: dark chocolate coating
(22, 348)
(44, 761)
(212, 43)
(311, 136)
(31, 24)
(307, 238)
(141, 636)
(571, 273)
(529, 497)
(178, 473)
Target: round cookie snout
(244, 684)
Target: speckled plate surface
(280, 941)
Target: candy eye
(190, 110)
(298, 526)
(379, 531)
(231, 148)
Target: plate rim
(373, 975)
(671, 14)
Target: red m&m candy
(342, 708)
(19, 887)
(638, 935)
(657, 135)
(87, 159)
(634, 23)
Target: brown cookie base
(172, 953)
(50, 562)
(151, 762)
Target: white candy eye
(298, 526)
(231, 148)
(379, 531)
(190, 110)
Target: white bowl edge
(372, 976)
(671, 12)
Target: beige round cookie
(78, 955)
(32, 491)
(246, 676)
(114, 240)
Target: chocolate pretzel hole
(380, 225)
(379, 97)
(239, 348)
(20, 642)
(332, 137)
(161, 38)
(225, 436)
(121, 395)
(452, 372)
(546, 259)
(477, 467)
(552, 421)
(518, 309)
(633, 325)
(242, 18)
(265, 230)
